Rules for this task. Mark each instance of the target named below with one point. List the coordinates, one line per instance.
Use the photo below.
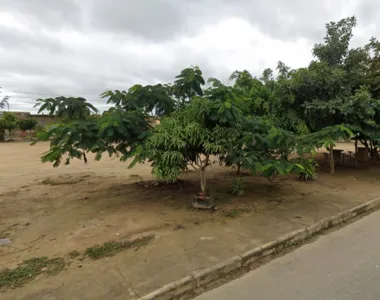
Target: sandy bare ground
(48, 211)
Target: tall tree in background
(374, 67)
(153, 99)
(188, 84)
(334, 49)
(255, 95)
(4, 102)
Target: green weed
(238, 186)
(74, 254)
(112, 248)
(231, 214)
(29, 269)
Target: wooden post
(332, 164)
(356, 153)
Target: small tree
(8, 121)
(189, 138)
(278, 144)
(248, 146)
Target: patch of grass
(62, 180)
(112, 248)
(234, 213)
(219, 197)
(50, 181)
(74, 254)
(29, 269)
(231, 214)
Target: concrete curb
(202, 280)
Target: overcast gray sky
(84, 47)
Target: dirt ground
(51, 212)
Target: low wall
(42, 120)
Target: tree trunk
(356, 153)
(204, 165)
(238, 169)
(332, 164)
(203, 181)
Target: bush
(27, 124)
(40, 128)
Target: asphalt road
(342, 265)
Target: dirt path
(52, 212)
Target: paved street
(342, 265)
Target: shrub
(27, 124)
(308, 171)
(238, 186)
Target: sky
(52, 48)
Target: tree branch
(191, 164)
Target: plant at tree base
(307, 170)
(238, 186)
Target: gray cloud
(165, 19)
(368, 12)
(54, 14)
(11, 40)
(155, 20)
(83, 47)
